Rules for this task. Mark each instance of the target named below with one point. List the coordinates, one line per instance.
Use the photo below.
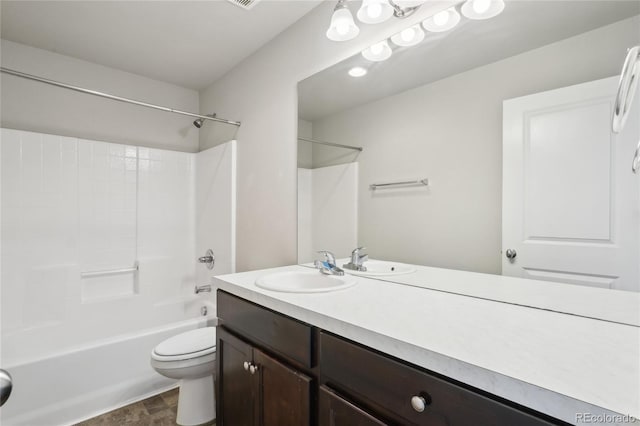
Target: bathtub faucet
(203, 288)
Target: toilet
(190, 357)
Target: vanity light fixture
(409, 36)
(357, 72)
(442, 21)
(374, 11)
(378, 52)
(342, 27)
(482, 9)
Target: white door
(570, 201)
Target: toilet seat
(188, 345)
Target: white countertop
(554, 363)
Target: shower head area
(200, 121)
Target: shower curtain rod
(113, 97)
(355, 148)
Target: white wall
(261, 92)
(305, 149)
(215, 210)
(450, 131)
(305, 216)
(327, 211)
(29, 105)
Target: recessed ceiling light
(357, 72)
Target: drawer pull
(246, 366)
(419, 403)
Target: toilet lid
(188, 342)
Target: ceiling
(188, 43)
(524, 25)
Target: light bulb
(408, 34)
(342, 27)
(377, 48)
(441, 18)
(442, 21)
(481, 6)
(374, 10)
(482, 9)
(357, 72)
(378, 52)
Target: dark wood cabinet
(273, 370)
(284, 393)
(333, 410)
(237, 387)
(256, 388)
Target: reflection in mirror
(509, 119)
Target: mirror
(503, 126)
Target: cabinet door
(336, 411)
(236, 392)
(284, 393)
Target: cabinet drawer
(283, 335)
(384, 382)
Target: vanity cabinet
(333, 410)
(258, 383)
(274, 370)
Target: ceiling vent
(245, 4)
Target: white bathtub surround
(71, 206)
(554, 363)
(327, 210)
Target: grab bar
(375, 186)
(92, 274)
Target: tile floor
(159, 410)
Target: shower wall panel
(71, 206)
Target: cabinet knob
(253, 368)
(419, 403)
(246, 366)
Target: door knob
(511, 254)
(6, 384)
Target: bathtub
(69, 387)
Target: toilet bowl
(190, 357)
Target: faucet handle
(358, 250)
(331, 259)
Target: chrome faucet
(357, 260)
(203, 288)
(328, 267)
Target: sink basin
(381, 268)
(304, 282)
